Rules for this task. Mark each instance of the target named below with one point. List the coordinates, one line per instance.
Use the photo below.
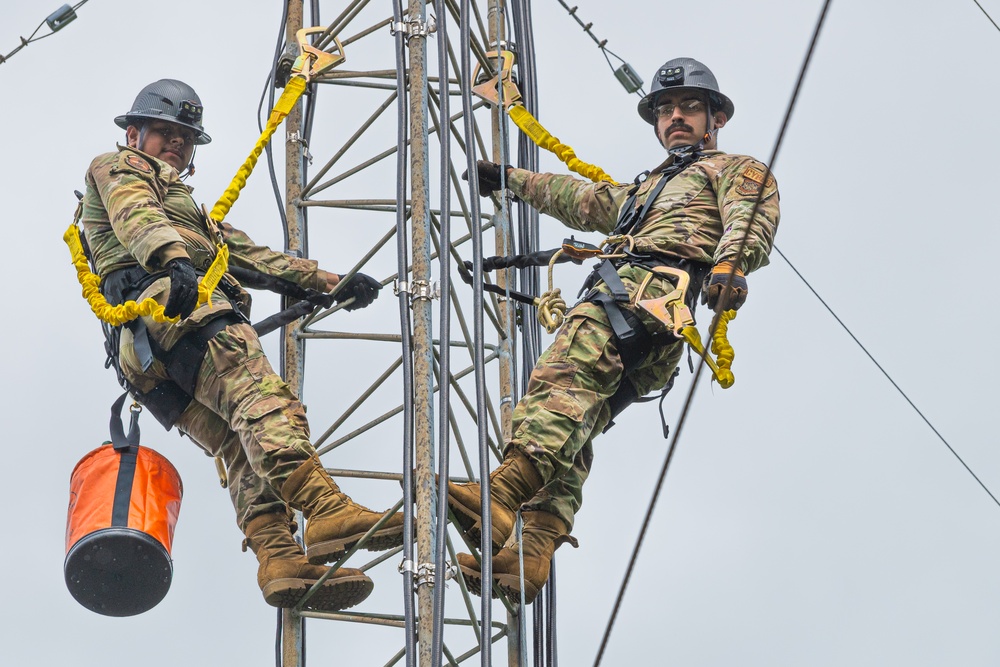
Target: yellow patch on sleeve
(757, 176)
(751, 180)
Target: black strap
(631, 218)
(118, 438)
(166, 401)
(140, 342)
(465, 269)
(609, 274)
(623, 332)
(127, 447)
(623, 397)
(184, 360)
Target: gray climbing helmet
(168, 99)
(689, 74)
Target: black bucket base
(118, 571)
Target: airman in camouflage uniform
(207, 374)
(700, 214)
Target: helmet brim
(200, 136)
(646, 104)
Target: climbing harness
(673, 309)
(634, 341)
(490, 90)
(310, 63)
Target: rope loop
(551, 310)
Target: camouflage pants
(242, 410)
(566, 403)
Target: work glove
(489, 174)
(363, 288)
(183, 288)
(714, 287)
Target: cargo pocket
(564, 403)
(588, 343)
(289, 416)
(229, 349)
(263, 407)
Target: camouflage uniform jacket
(138, 211)
(700, 215)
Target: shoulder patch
(750, 181)
(138, 163)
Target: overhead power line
(625, 73)
(987, 14)
(56, 21)
(887, 376)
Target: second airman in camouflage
(708, 213)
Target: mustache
(678, 126)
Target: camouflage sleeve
(589, 207)
(737, 187)
(248, 255)
(129, 188)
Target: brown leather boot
(511, 484)
(543, 534)
(334, 522)
(284, 575)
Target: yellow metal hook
(312, 61)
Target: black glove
(715, 285)
(363, 288)
(489, 176)
(183, 288)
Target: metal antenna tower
(395, 397)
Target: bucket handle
(121, 441)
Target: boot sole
(335, 594)
(474, 581)
(510, 584)
(328, 551)
(472, 526)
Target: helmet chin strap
(189, 171)
(686, 149)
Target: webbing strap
(183, 361)
(140, 343)
(609, 274)
(127, 447)
(118, 437)
(631, 217)
(623, 331)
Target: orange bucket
(123, 506)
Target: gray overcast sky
(809, 518)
